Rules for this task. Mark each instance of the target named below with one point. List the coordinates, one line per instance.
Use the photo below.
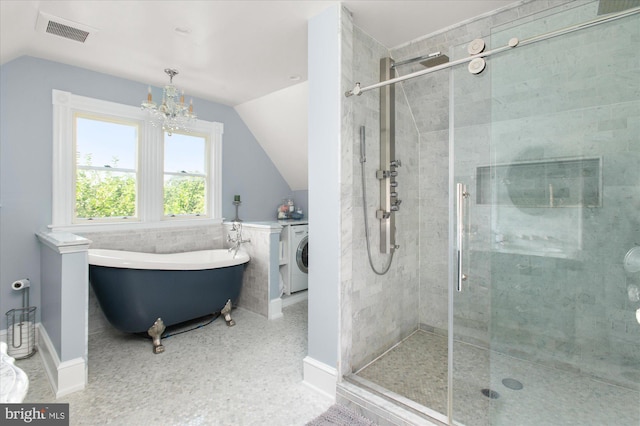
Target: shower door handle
(462, 195)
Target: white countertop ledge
(273, 225)
(63, 242)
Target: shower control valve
(381, 214)
(384, 174)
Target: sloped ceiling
(279, 123)
(236, 52)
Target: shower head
(611, 6)
(428, 61)
(438, 59)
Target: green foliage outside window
(110, 194)
(184, 195)
(105, 194)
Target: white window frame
(150, 160)
(208, 190)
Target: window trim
(150, 201)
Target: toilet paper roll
(20, 284)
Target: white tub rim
(184, 261)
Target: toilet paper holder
(21, 284)
(21, 332)
(21, 324)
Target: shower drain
(512, 384)
(491, 394)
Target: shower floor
(417, 369)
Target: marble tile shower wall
(571, 312)
(347, 128)
(428, 97)
(380, 310)
(577, 310)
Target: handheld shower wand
(363, 159)
(363, 152)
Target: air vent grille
(50, 24)
(66, 31)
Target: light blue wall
(26, 156)
(324, 185)
(302, 201)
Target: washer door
(302, 255)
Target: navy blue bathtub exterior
(132, 299)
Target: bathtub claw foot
(155, 331)
(226, 312)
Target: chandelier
(172, 114)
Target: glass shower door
(470, 254)
(546, 329)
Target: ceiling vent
(55, 25)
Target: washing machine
(296, 269)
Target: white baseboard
(290, 299)
(276, 305)
(320, 377)
(275, 308)
(64, 377)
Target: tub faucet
(237, 240)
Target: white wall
(279, 123)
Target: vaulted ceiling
(251, 55)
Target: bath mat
(339, 415)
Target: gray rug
(339, 415)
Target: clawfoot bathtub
(134, 289)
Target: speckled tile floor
(249, 374)
(416, 369)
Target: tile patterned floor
(416, 369)
(249, 374)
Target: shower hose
(363, 159)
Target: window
(106, 168)
(112, 168)
(185, 174)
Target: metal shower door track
(357, 90)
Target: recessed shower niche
(529, 196)
(566, 182)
